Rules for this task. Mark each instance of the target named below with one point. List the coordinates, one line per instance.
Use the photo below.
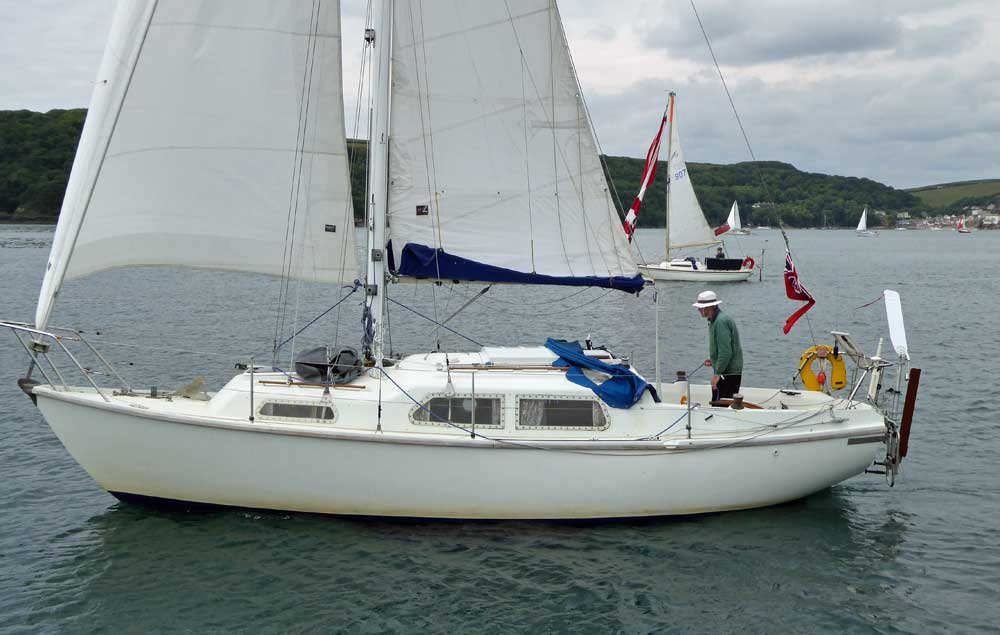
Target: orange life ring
(748, 263)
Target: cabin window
(458, 409)
(297, 411)
(566, 413)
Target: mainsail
(863, 223)
(687, 224)
(530, 203)
(215, 139)
(734, 218)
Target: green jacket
(724, 345)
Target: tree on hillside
(36, 154)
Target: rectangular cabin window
(457, 409)
(564, 414)
(297, 411)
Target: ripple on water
(917, 558)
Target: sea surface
(920, 557)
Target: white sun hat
(706, 299)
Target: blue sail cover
(621, 390)
(421, 261)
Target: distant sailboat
(735, 226)
(687, 227)
(960, 226)
(863, 225)
(826, 223)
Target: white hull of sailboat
(866, 233)
(687, 274)
(740, 232)
(322, 469)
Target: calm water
(922, 557)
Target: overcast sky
(906, 92)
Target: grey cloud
(51, 50)
(940, 40)
(745, 34)
(891, 129)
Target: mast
(670, 139)
(666, 232)
(378, 185)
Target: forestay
(215, 139)
(687, 224)
(494, 168)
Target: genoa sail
(531, 204)
(212, 123)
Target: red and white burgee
(648, 172)
(795, 291)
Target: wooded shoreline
(37, 149)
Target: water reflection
(154, 567)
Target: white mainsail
(215, 139)
(532, 198)
(687, 224)
(734, 218)
(863, 223)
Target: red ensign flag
(648, 172)
(795, 291)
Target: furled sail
(215, 139)
(687, 224)
(494, 169)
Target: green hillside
(947, 196)
(36, 153)
(800, 199)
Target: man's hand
(715, 380)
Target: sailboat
(686, 227)
(733, 222)
(826, 223)
(961, 228)
(218, 121)
(862, 229)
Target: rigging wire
(746, 139)
(427, 141)
(281, 307)
(732, 104)
(429, 319)
(357, 286)
(767, 429)
(353, 150)
(576, 307)
(578, 191)
(543, 302)
(314, 39)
